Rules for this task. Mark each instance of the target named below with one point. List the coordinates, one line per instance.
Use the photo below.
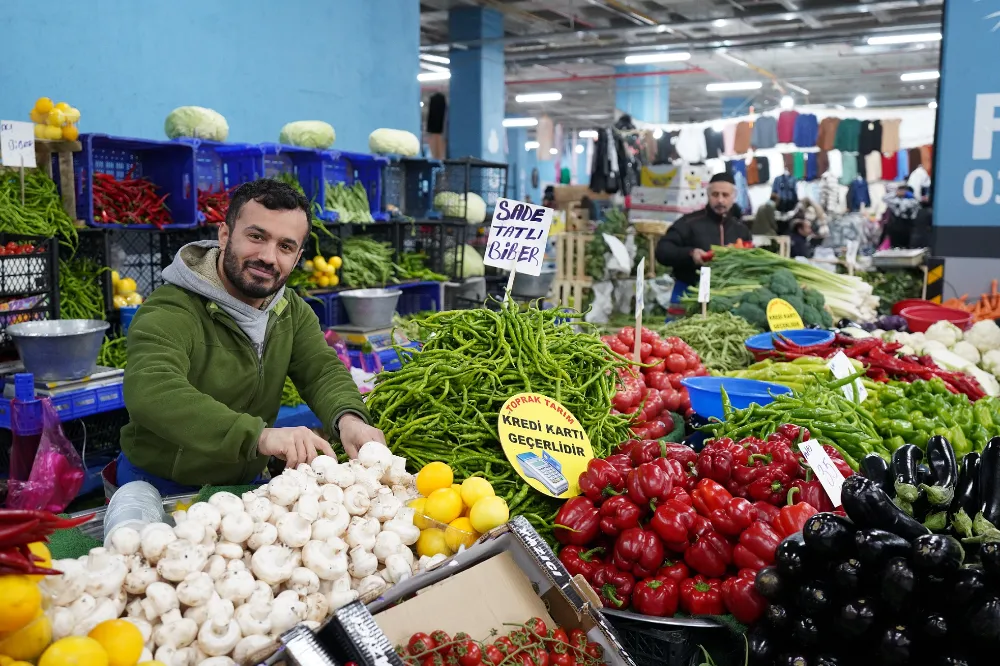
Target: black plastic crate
(487, 179)
(29, 283)
(409, 187)
(96, 438)
(440, 241)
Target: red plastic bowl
(920, 317)
(908, 303)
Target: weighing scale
(378, 342)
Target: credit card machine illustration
(546, 470)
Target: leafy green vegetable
(367, 263)
(350, 203)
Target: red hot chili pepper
(709, 496)
(577, 560)
(701, 596)
(741, 597)
(619, 514)
(648, 485)
(737, 515)
(577, 522)
(656, 596)
(614, 586)
(638, 551)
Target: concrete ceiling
(791, 46)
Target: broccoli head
(814, 298)
(721, 304)
(783, 283)
(826, 319)
(761, 296)
(811, 316)
(796, 302)
(753, 313)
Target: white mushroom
(385, 505)
(375, 455)
(216, 566)
(106, 572)
(206, 513)
(307, 506)
(134, 608)
(257, 507)
(370, 586)
(273, 564)
(196, 589)
(236, 586)
(124, 540)
(262, 594)
(180, 559)
(83, 607)
(395, 472)
(331, 493)
(286, 612)
(357, 500)
(363, 563)
(217, 661)
(426, 563)
(341, 593)
(62, 621)
(236, 527)
(200, 613)
(229, 550)
(145, 628)
(254, 618)
(264, 534)
(317, 607)
(179, 516)
(360, 532)
(369, 479)
(237, 565)
(106, 609)
(324, 467)
(154, 539)
(249, 646)
(277, 511)
(327, 559)
(192, 531)
(175, 657)
(397, 569)
(63, 589)
(160, 598)
(283, 490)
(220, 633)
(119, 599)
(338, 515)
(226, 503)
(325, 528)
(303, 581)
(294, 530)
(402, 524)
(404, 493)
(387, 543)
(175, 631)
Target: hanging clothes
(743, 136)
(889, 165)
(927, 158)
(799, 166)
(734, 167)
(786, 187)
(713, 143)
(789, 160)
(822, 163)
(862, 167)
(857, 195)
(691, 144)
(806, 130)
(902, 164)
(849, 170)
(764, 133)
(848, 133)
(437, 110)
(870, 139)
(728, 139)
(873, 167)
(763, 169)
(753, 174)
(786, 126)
(914, 158)
(666, 151)
(827, 133)
(812, 167)
(836, 159)
(829, 193)
(890, 135)
(605, 174)
(742, 192)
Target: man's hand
(293, 445)
(355, 433)
(698, 256)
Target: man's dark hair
(269, 193)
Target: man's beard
(247, 284)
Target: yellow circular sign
(545, 444)
(781, 316)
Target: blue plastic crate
(69, 406)
(168, 164)
(305, 164)
(348, 168)
(419, 297)
(222, 166)
(300, 415)
(409, 186)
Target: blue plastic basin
(706, 393)
(803, 337)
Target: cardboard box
(568, 193)
(510, 576)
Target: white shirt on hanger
(836, 160)
(690, 144)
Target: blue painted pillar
(476, 109)
(645, 98)
(735, 106)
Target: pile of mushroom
(234, 573)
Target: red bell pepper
(709, 553)
(792, 518)
(673, 521)
(577, 522)
(742, 599)
(757, 546)
(674, 570)
(702, 596)
(656, 596)
(766, 511)
(709, 496)
(619, 514)
(682, 453)
(578, 560)
(793, 433)
(811, 492)
(601, 480)
(715, 464)
(638, 551)
(648, 485)
(621, 462)
(614, 586)
(679, 477)
(681, 495)
(737, 515)
(771, 486)
(645, 451)
(838, 461)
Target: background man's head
(262, 240)
(721, 193)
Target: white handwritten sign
(18, 144)
(705, 285)
(518, 235)
(822, 466)
(841, 367)
(640, 287)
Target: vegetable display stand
(572, 280)
(419, 297)
(29, 281)
(303, 164)
(222, 166)
(348, 170)
(95, 244)
(441, 241)
(655, 641)
(409, 187)
(56, 157)
(168, 165)
(486, 179)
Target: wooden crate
(64, 149)
(577, 217)
(571, 280)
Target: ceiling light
(839, 107)
(732, 59)
(789, 45)
(789, 17)
(579, 149)
(433, 76)
(531, 145)
(520, 122)
(430, 57)
(884, 40)
(662, 28)
(666, 56)
(657, 133)
(733, 85)
(588, 134)
(553, 151)
(932, 105)
(718, 23)
(798, 89)
(860, 102)
(787, 102)
(538, 97)
(421, 105)
(920, 76)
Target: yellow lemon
(36, 117)
(19, 663)
(73, 115)
(74, 651)
(307, 266)
(119, 301)
(474, 489)
(433, 476)
(418, 506)
(334, 280)
(43, 105)
(126, 286)
(431, 542)
(134, 298)
(444, 505)
(115, 278)
(489, 512)
(53, 133)
(70, 133)
(38, 548)
(56, 118)
(330, 270)
(121, 639)
(41, 132)
(28, 642)
(319, 263)
(5, 660)
(336, 262)
(152, 663)
(63, 106)
(323, 281)
(21, 602)
(460, 533)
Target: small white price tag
(640, 287)
(705, 285)
(851, 252)
(17, 144)
(824, 469)
(619, 253)
(841, 367)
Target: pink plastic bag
(57, 472)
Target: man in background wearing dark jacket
(691, 237)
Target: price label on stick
(518, 234)
(705, 285)
(824, 469)
(841, 367)
(640, 287)
(17, 144)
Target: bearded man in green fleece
(208, 353)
